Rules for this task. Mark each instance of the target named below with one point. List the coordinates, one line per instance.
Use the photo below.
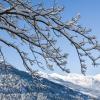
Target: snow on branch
(45, 23)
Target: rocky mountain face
(19, 85)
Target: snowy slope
(19, 85)
(86, 84)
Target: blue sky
(90, 17)
(90, 14)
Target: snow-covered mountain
(19, 85)
(78, 79)
(87, 84)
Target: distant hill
(19, 85)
